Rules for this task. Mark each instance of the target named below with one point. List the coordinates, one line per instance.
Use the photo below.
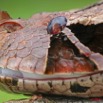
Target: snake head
(56, 25)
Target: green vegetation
(26, 8)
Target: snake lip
(31, 76)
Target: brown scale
(4, 15)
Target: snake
(46, 54)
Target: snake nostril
(56, 25)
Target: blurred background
(26, 8)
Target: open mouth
(90, 35)
(64, 57)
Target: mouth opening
(64, 57)
(91, 36)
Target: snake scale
(30, 57)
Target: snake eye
(56, 25)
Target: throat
(64, 57)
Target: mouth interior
(64, 57)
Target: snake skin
(90, 85)
(24, 52)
